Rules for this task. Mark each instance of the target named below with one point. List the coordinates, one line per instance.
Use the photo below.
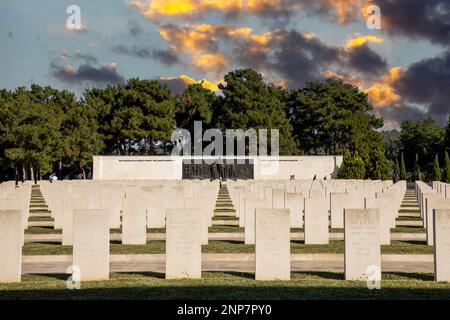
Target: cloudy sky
(404, 67)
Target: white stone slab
(295, 203)
(91, 244)
(69, 205)
(11, 229)
(202, 205)
(441, 234)
(433, 203)
(278, 199)
(385, 209)
(272, 250)
(183, 244)
(251, 204)
(316, 221)
(362, 243)
(134, 221)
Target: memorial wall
(178, 168)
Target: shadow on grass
(324, 274)
(414, 276)
(158, 275)
(209, 292)
(51, 243)
(411, 242)
(56, 276)
(246, 275)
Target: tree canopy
(45, 130)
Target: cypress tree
(402, 168)
(446, 175)
(416, 171)
(437, 176)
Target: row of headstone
(184, 239)
(429, 201)
(134, 207)
(312, 212)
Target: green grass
(224, 229)
(406, 218)
(40, 219)
(225, 218)
(42, 230)
(220, 285)
(408, 230)
(157, 247)
(153, 230)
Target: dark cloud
(298, 58)
(87, 58)
(428, 19)
(177, 85)
(365, 60)
(427, 82)
(165, 56)
(394, 115)
(87, 73)
(135, 28)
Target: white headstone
(295, 203)
(11, 229)
(134, 221)
(441, 245)
(340, 202)
(362, 243)
(385, 210)
(432, 203)
(316, 221)
(272, 244)
(278, 199)
(251, 204)
(183, 244)
(202, 205)
(69, 205)
(156, 211)
(91, 244)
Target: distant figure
(315, 177)
(325, 178)
(292, 177)
(52, 178)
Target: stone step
(225, 222)
(41, 224)
(224, 214)
(40, 215)
(38, 206)
(224, 210)
(407, 223)
(409, 210)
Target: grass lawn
(408, 230)
(156, 247)
(219, 285)
(42, 230)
